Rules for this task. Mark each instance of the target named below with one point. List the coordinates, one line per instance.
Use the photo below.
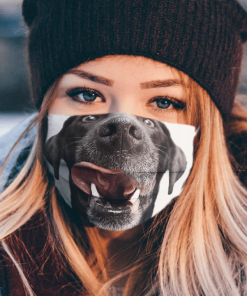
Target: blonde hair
(196, 246)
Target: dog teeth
(135, 206)
(98, 198)
(95, 192)
(135, 196)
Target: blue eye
(87, 96)
(84, 95)
(169, 103)
(163, 103)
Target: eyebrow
(161, 83)
(90, 76)
(109, 82)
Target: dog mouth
(108, 190)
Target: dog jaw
(134, 200)
(110, 214)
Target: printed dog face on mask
(116, 162)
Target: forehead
(129, 67)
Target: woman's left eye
(163, 103)
(168, 103)
(84, 95)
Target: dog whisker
(160, 145)
(74, 138)
(65, 146)
(164, 157)
(162, 152)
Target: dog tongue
(111, 184)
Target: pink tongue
(110, 184)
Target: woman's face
(129, 84)
(125, 159)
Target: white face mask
(118, 170)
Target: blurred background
(15, 103)
(14, 87)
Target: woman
(176, 62)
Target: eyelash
(74, 92)
(177, 105)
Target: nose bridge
(123, 103)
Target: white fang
(135, 196)
(94, 191)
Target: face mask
(118, 170)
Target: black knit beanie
(202, 38)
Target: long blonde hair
(196, 246)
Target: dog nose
(124, 127)
(120, 130)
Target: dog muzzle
(118, 170)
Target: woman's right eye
(84, 95)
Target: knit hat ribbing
(202, 38)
